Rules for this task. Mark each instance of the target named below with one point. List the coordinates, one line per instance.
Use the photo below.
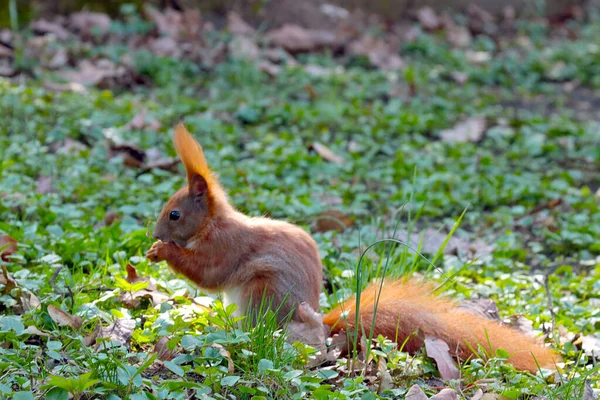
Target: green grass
(256, 132)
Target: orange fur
(191, 154)
(407, 310)
(221, 249)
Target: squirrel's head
(187, 212)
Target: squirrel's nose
(156, 236)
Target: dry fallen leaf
(327, 154)
(94, 73)
(65, 87)
(6, 51)
(428, 18)
(120, 331)
(379, 53)
(89, 24)
(165, 46)
(161, 349)
(416, 393)
(295, 39)
(478, 57)
(522, 324)
(446, 394)
(588, 392)
(485, 308)
(8, 246)
(237, 26)
(32, 329)
(433, 240)
(24, 299)
(386, 382)
(63, 318)
(478, 395)
(590, 344)
(440, 352)
(44, 185)
(244, 47)
(7, 281)
(43, 27)
(331, 220)
(141, 121)
(151, 291)
(227, 355)
(269, 68)
(470, 130)
(177, 25)
(457, 35)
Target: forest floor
(472, 139)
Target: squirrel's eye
(174, 216)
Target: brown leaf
(379, 53)
(588, 392)
(63, 318)
(269, 68)
(120, 331)
(33, 330)
(65, 87)
(165, 46)
(59, 59)
(485, 308)
(227, 355)
(440, 352)
(326, 153)
(428, 18)
(151, 291)
(88, 23)
(177, 25)
(90, 339)
(522, 324)
(110, 217)
(8, 246)
(433, 240)
(478, 57)
(478, 395)
(94, 73)
(470, 130)
(244, 47)
(590, 345)
(332, 220)
(416, 393)
(237, 26)
(69, 146)
(7, 71)
(386, 382)
(295, 39)
(43, 27)
(446, 394)
(457, 35)
(142, 121)
(6, 51)
(25, 299)
(161, 349)
(8, 281)
(132, 275)
(44, 185)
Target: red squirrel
(202, 236)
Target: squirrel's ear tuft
(192, 156)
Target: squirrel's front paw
(157, 251)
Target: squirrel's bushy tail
(407, 312)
